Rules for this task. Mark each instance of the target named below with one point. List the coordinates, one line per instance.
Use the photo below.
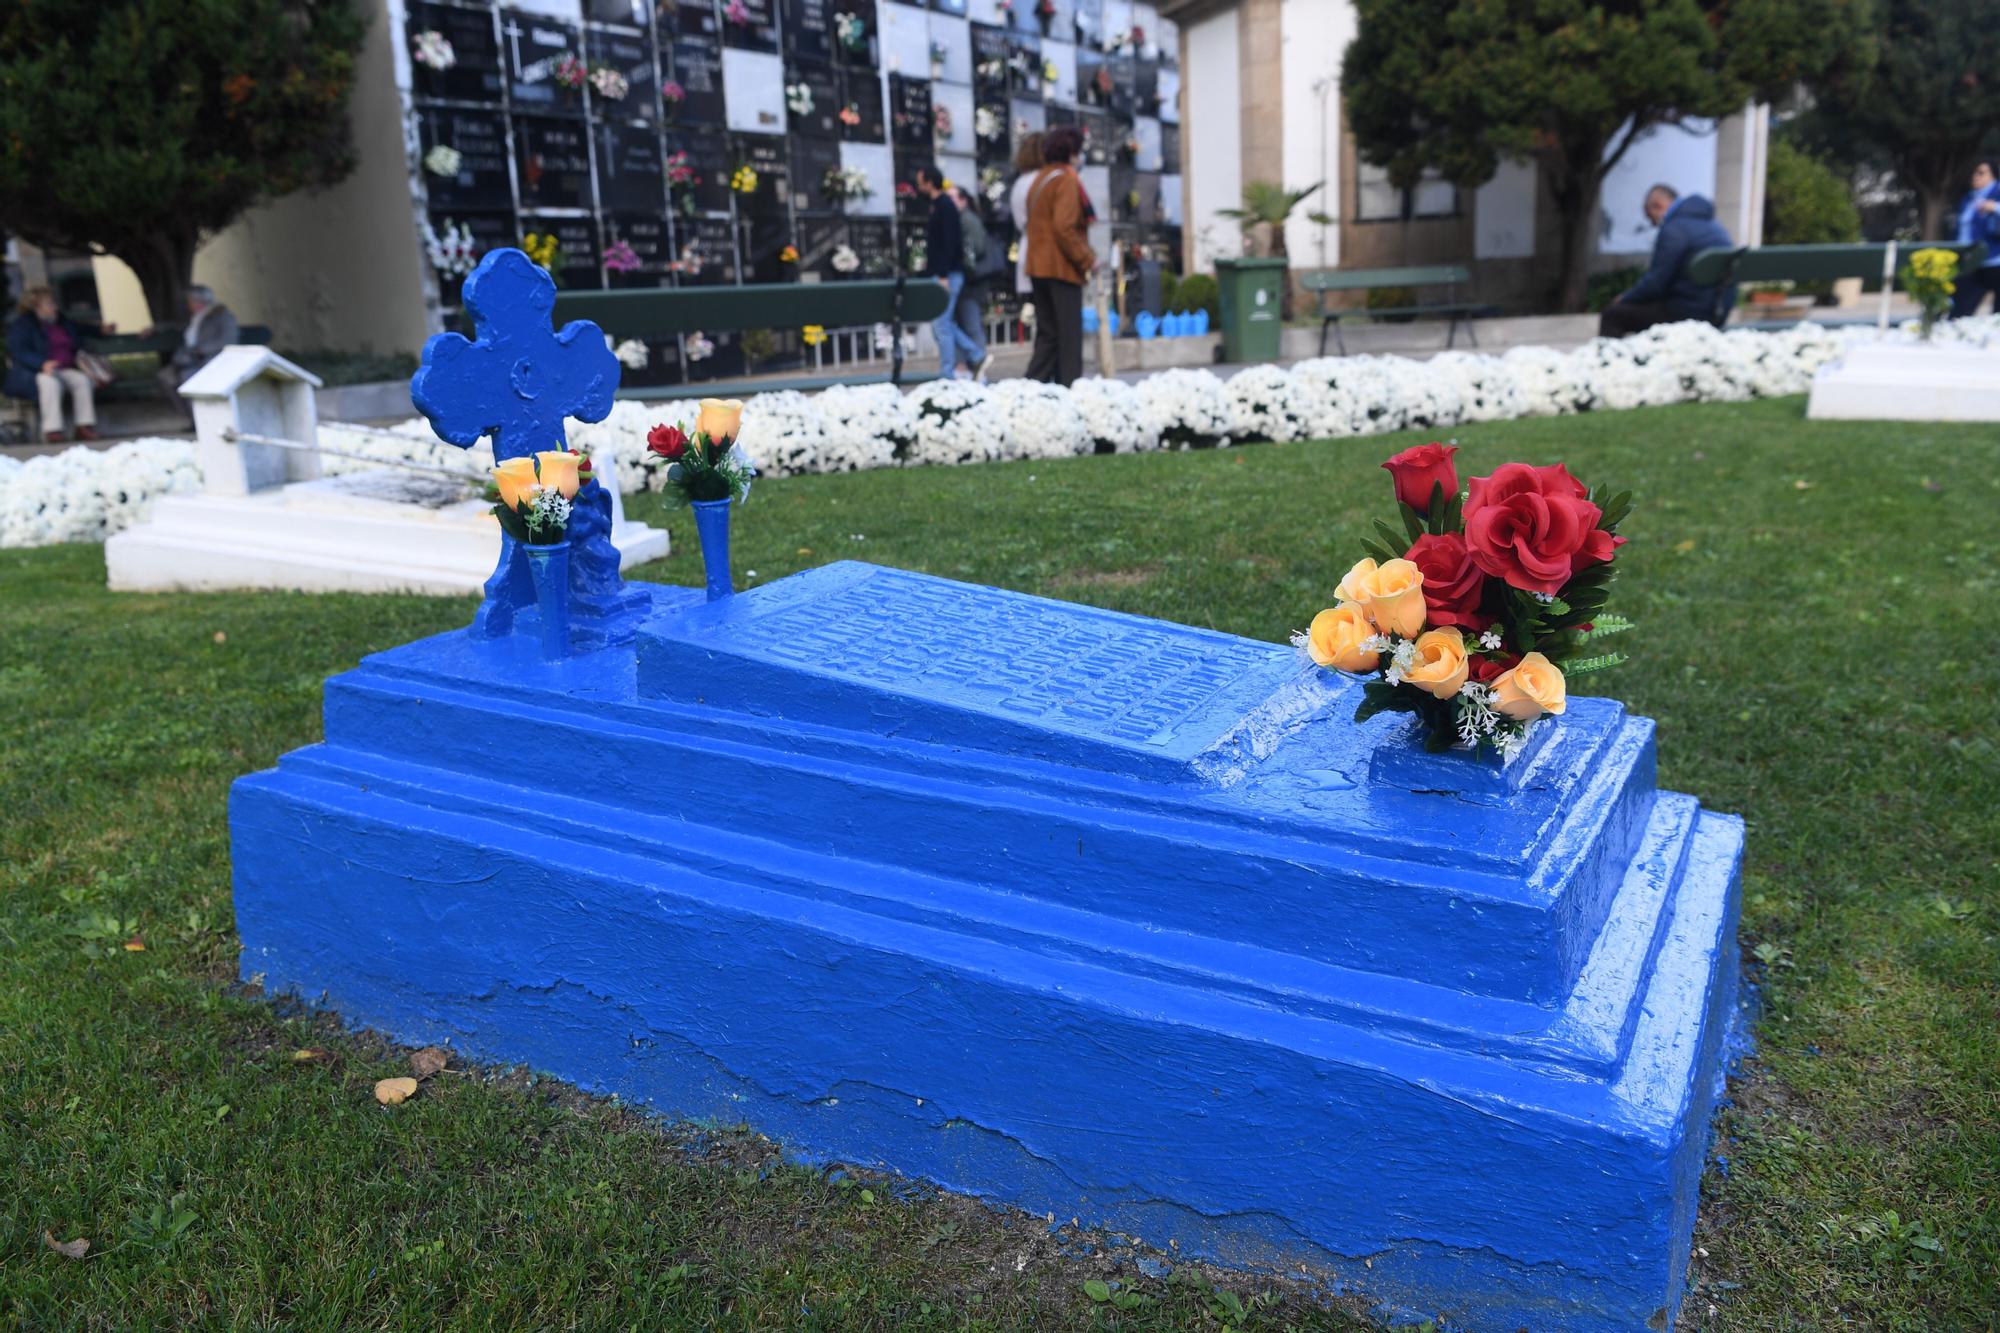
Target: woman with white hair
(210, 328)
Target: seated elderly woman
(210, 328)
(42, 349)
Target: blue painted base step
(1085, 913)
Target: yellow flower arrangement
(814, 334)
(1930, 277)
(542, 248)
(744, 179)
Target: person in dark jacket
(42, 345)
(1666, 293)
(1979, 223)
(944, 260)
(971, 307)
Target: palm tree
(1268, 204)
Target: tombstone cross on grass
(519, 381)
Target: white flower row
(85, 494)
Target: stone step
(1072, 838)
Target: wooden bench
(657, 312)
(1448, 276)
(1722, 266)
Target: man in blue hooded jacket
(1666, 293)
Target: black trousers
(1058, 355)
(1973, 288)
(1623, 317)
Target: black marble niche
(910, 113)
(809, 29)
(532, 45)
(861, 92)
(481, 140)
(631, 54)
(477, 75)
(630, 174)
(823, 121)
(750, 25)
(697, 67)
(552, 163)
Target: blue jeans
(955, 344)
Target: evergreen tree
(1925, 99)
(1570, 84)
(138, 127)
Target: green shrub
(1805, 201)
(1197, 291)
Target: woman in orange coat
(1059, 259)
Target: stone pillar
(1260, 47)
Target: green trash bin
(1252, 292)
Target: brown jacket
(1058, 238)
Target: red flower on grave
(1534, 527)
(1486, 670)
(1420, 467)
(1453, 585)
(667, 441)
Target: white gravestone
(267, 518)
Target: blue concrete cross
(518, 381)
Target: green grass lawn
(1814, 604)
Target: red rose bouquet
(1496, 598)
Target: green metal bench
(1448, 276)
(656, 312)
(1722, 265)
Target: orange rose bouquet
(532, 495)
(1477, 612)
(704, 464)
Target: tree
(1805, 201)
(1456, 85)
(1925, 97)
(138, 127)
(1270, 206)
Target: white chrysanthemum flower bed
(86, 494)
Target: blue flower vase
(711, 524)
(549, 566)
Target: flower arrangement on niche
(737, 12)
(993, 70)
(620, 257)
(844, 259)
(1931, 278)
(987, 124)
(443, 160)
(852, 30)
(610, 84)
(545, 250)
(941, 121)
(939, 54)
(813, 334)
(451, 252)
(699, 346)
(1050, 74)
(533, 495)
(632, 353)
(850, 115)
(743, 180)
(570, 71)
(789, 255)
(993, 184)
(798, 99)
(673, 95)
(433, 50)
(843, 183)
(704, 464)
(1496, 598)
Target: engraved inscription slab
(870, 649)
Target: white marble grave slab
(1908, 382)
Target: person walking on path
(211, 327)
(944, 260)
(1059, 260)
(42, 348)
(1027, 162)
(1666, 294)
(979, 272)
(1979, 223)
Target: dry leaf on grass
(68, 1249)
(393, 1091)
(312, 1055)
(429, 1061)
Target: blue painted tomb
(1086, 913)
